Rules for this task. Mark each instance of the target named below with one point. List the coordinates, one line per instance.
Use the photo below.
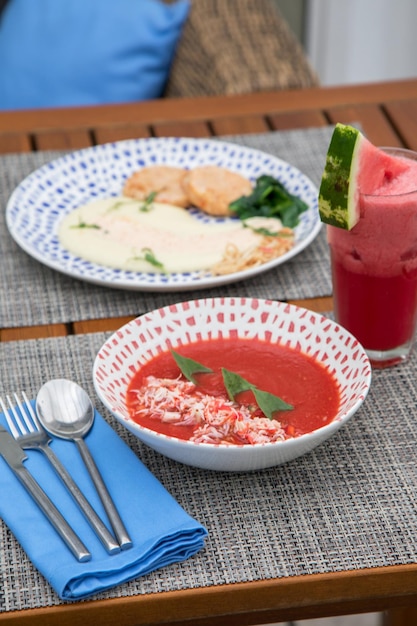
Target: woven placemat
(349, 504)
(56, 298)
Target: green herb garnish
(144, 206)
(189, 367)
(119, 203)
(235, 384)
(147, 203)
(266, 232)
(267, 402)
(82, 224)
(270, 199)
(150, 257)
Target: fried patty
(212, 188)
(164, 180)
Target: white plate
(39, 203)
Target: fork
(29, 433)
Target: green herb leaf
(189, 367)
(270, 198)
(82, 224)
(120, 203)
(268, 233)
(267, 402)
(234, 383)
(149, 256)
(146, 204)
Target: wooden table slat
(297, 119)
(73, 139)
(403, 115)
(209, 107)
(120, 133)
(372, 119)
(258, 602)
(401, 616)
(33, 332)
(182, 129)
(240, 125)
(319, 305)
(15, 142)
(100, 325)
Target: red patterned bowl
(170, 327)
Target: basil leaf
(267, 402)
(189, 367)
(234, 383)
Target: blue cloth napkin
(162, 532)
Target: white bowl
(167, 328)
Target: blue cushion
(78, 52)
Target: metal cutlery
(29, 434)
(65, 410)
(14, 456)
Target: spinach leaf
(270, 198)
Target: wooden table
(387, 113)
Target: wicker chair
(237, 46)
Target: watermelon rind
(339, 192)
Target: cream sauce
(118, 232)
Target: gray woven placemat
(56, 298)
(350, 504)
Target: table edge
(278, 598)
(212, 107)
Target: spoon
(66, 411)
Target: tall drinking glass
(374, 270)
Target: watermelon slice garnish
(353, 166)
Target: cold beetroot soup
(160, 398)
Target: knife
(14, 456)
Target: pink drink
(374, 267)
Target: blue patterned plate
(38, 204)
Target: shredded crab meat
(235, 260)
(216, 419)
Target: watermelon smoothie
(374, 265)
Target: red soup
(160, 398)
